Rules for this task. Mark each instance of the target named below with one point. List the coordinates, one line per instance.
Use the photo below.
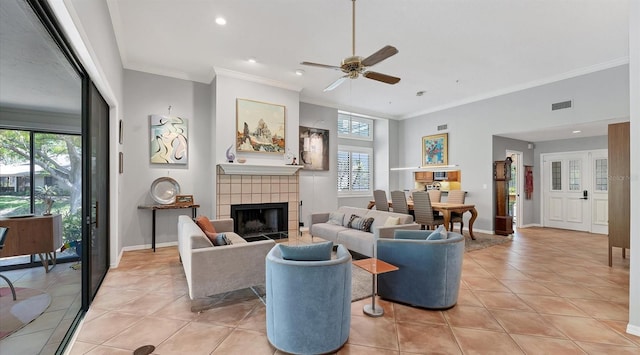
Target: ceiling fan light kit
(354, 66)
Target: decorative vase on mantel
(230, 156)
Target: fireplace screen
(269, 219)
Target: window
(556, 176)
(575, 175)
(602, 172)
(354, 126)
(354, 170)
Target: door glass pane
(556, 175)
(575, 175)
(602, 174)
(15, 173)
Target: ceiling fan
(355, 66)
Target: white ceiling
(456, 50)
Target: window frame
(350, 150)
(354, 117)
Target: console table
(31, 235)
(154, 208)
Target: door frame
(519, 184)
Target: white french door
(575, 191)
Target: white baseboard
(148, 246)
(633, 329)
(531, 225)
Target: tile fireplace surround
(236, 184)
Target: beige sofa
(211, 270)
(357, 240)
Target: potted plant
(45, 193)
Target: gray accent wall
(146, 94)
(318, 191)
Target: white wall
(597, 96)
(318, 191)
(634, 273)
(147, 94)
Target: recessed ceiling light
(221, 21)
(576, 131)
(251, 60)
(299, 72)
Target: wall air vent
(561, 105)
(442, 127)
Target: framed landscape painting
(260, 127)
(314, 148)
(434, 150)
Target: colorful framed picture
(260, 127)
(169, 140)
(314, 148)
(434, 150)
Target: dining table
(446, 209)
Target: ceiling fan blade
(381, 77)
(321, 65)
(382, 54)
(336, 83)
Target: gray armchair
(308, 302)
(429, 270)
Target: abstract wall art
(169, 139)
(434, 150)
(314, 148)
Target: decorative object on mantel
(260, 127)
(169, 139)
(242, 160)
(183, 200)
(289, 158)
(314, 148)
(230, 156)
(434, 150)
(164, 190)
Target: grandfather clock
(501, 176)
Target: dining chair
(399, 201)
(3, 236)
(423, 212)
(380, 197)
(456, 196)
(435, 195)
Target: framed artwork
(314, 148)
(184, 200)
(169, 140)
(434, 150)
(260, 127)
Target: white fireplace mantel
(258, 169)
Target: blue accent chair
(308, 303)
(429, 270)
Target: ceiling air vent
(442, 127)
(561, 105)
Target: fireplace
(255, 219)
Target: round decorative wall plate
(164, 190)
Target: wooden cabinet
(619, 188)
(501, 175)
(423, 176)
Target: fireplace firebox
(256, 219)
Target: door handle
(585, 195)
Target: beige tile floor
(547, 292)
(44, 334)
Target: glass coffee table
(375, 267)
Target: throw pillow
(366, 226)
(392, 221)
(205, 224)
(309, 252)
(336, 218)
(221, 239)
(354, 219)
(439, 233)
